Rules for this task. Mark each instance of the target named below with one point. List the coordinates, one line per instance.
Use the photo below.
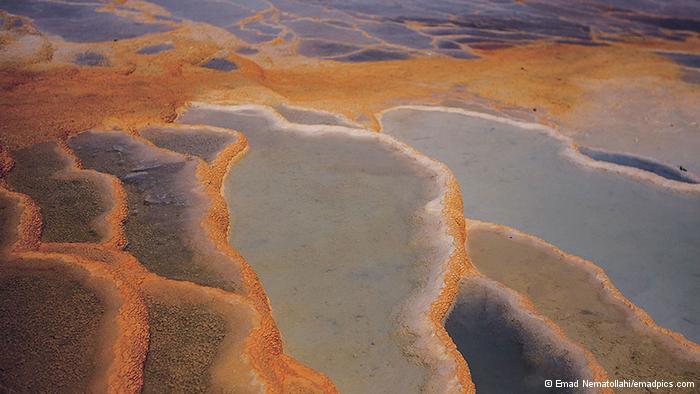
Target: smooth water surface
(645, 237)
(506, 353)
(570, 295)
(328, 223)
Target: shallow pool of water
(508, 350)
(329, 223)
(569, 293)
(647, 238)
(679, 174)
(166, 205)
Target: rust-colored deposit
(28, 233)
(263, 348)
(457, 266)
(46, 101)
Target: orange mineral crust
(458, 266)
(44, 101)
(539, 75)
(27, 222)
(45, 98)
(263, 347)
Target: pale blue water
(645, 237)
(329, 225)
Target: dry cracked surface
(195, 197)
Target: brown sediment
(189, 347)
(283, 373)
(6, 162)
(26, 235)
(120, 335)
(10, 217)
(113, 218)
(123, 262)
(39, 306)
(73, 203)
(165, 206)
(263, 346)
(196, 339)
(675, 343)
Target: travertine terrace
(289, 196)
(540, 184)
(594, 316)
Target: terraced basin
(331, 220)
(646, 237)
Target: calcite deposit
(289, 196)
